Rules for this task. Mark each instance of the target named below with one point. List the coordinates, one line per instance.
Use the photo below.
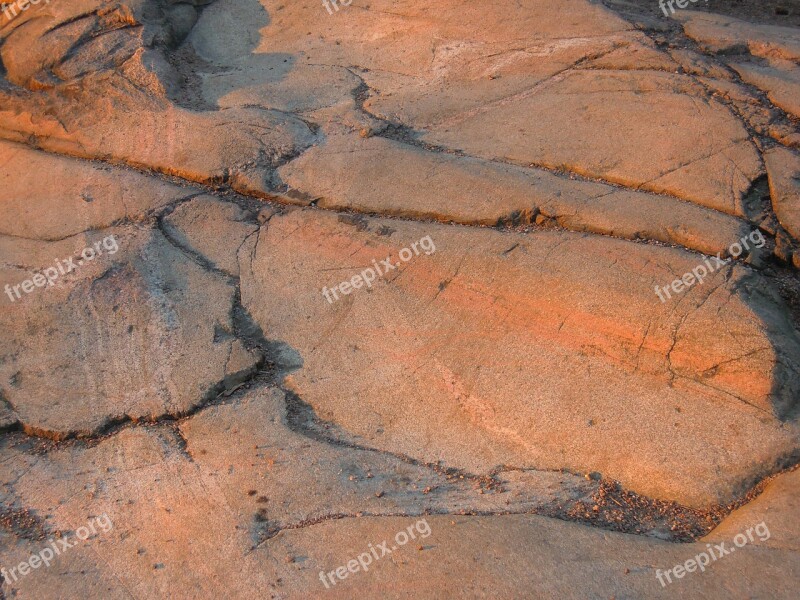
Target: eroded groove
(675, 36)
(404, 134)
(170, 234)
(519, 223)
(611, 506)
(302, 419)
(224, 192)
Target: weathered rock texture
(564, 363)
(467, 348)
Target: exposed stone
(633, 57)
(387, 177)
(534, 382)
(107, 96)
(783, 247)
(211, 228)
(728, 35)
(136, 333)
(8, 418)
(776, 508)
(306, 479)
(457, 356)
(697, 64)
(49, 197)
(783, 167)
(241, 76)
(782, 83)
(629, 116)
(145, 485)
(601, 564)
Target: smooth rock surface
(137, 332)
(458, 354)
(776, 508)
(49, 197)
(724, 34)
(780, 79)
(631, 117)
(211, 228)
(349, 172)
(783, 167)
(557, 370)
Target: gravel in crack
(23, 523)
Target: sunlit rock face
(398, 299)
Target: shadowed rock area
(399, 299)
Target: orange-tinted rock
(496, 385)
(783, 167)
(139, 331)
(461, 355)
(725, 34)
(382, 176)
(652, 131)
(50, 197)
